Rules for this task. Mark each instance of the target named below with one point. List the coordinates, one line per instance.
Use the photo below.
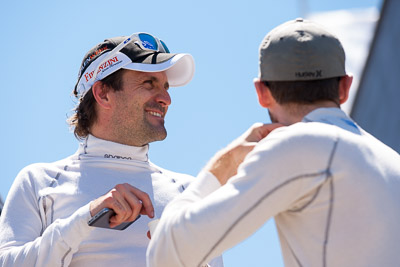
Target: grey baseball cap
(300, 50)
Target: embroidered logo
(313, 74)
(108, 156)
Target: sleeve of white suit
(24, 238)
(207, 219)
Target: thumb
(259, 131)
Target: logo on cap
(313, 74)
(148, 45)
(109, 63)
(87, 60)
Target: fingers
(148, 235)
(259, 131)
(147, 207)
(225, 163)
(251, 137)
(127, 202)
(133, 202)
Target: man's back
(330, 186)
(344, 207)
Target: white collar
(333, 116)
(96, 147)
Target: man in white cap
(123, 97)
(333, 189)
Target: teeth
(155, 114)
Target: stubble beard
(151, 133)
(144, 133)
(138, 132)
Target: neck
(106, 131)
(291, 113)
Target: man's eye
(149, 83)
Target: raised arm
(206, 219)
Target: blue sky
(43, 43)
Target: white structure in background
(355, 29)
(376, 107)
(371, 42)
(1, 204)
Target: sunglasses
(145, 41)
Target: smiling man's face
(140, 108)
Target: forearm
(166, 251)
(55, 247)
(198, 226)
(225, 163)
(193, 230)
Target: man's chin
(158, 135)
(161, 135)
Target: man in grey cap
(333, 189)
(68, 213)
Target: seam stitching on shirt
(331, 201)
(310, 175)
(57, 176)
(43, 220)
(309, 202)
(294, 255)
(65, 255)
(52, 209)
(52, 201)
(258, 203)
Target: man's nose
(164, 98)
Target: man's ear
(264, 95)
(344, 88)
(101, 94)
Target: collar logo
(109, 156)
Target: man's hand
(225, 163)
(126, 201)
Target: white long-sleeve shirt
(333, 190)
(44, 221)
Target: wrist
(222, 166)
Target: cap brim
(179, 68)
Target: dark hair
(85, 112)
(304, 92)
